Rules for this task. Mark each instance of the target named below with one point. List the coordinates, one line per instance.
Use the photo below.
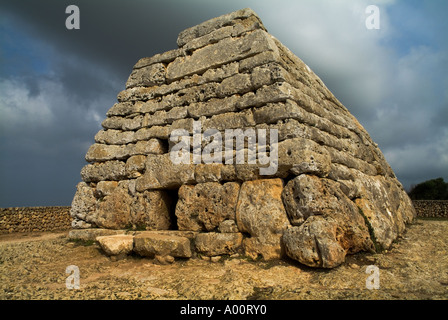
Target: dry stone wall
(232, 133)
(431, 208)
(33, 219)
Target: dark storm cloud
(57, 84)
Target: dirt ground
(33, 266)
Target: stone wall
(32, 219)
(431, 208)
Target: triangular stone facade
(232, 142)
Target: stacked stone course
(332, 184)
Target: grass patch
(378, 247)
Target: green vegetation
(435, 189)
(378, 247)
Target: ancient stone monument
(231, 144)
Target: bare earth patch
(32, 266)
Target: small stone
(167, 259)
(215, 259)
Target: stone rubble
(333, 192)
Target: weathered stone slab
(104, 152)
(214, 243)
(109, 170)
(230, 120)
(119, 123)
(135, 165)
(212, 107)
(213, 24)
(161, 172)
(260, 212)
(123, 109)
(300, 155)
(151, 244)
(276, 92)
(228, 226)
(112, 136)
(84, 202)
(215, 55)
(117, 244)
(164, 57)
(205, 205)
(323, 211)
(148, 76)
(315, 243)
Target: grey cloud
(398, 101)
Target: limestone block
(104, 152)
(117, 244)
(114, 210)
(260, 212)
(208, 172)
(150, 244)
(151, 146)
(112, 136)
(314, 243)
(300, 155)
(228, 226)
(205, 205)
(215, 55)
(277, 92)
(124, 109)
(147, 76)
(160, 132)
(239, 83)
(120, 123)
(214, 243)
(109, 170)
(84, 202)
(213, 24)
(323, 211)
(105, 188)
(308, 195)
(259, 59)
(161, 172)
(151, 210)
(273, 112)
(229, 120)
(164, 57)
(212, 37)
(135, 165)
(212, 107)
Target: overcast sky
(57, 84)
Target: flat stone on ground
(155, 244)
(117, 244)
